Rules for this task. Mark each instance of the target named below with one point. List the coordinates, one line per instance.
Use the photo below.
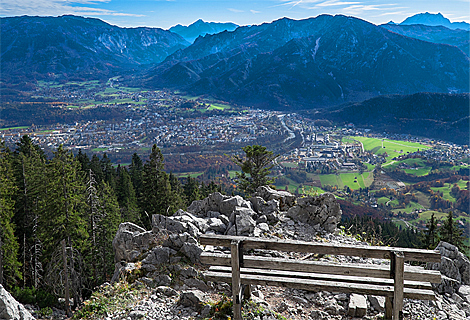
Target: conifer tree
(255, 166)
(136, 172)
(451, 233)
(156, 197)
(429, 236)
(192, 190)
(9, 264)
(126, 197)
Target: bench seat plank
(321, 248)
(320, 285)
(317, 276)
(358, 270)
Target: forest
(78, 202)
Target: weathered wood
(321, 285)
(388, 308)
(237, 311)
(319, 276)
(358, 270)
(398, 262)
(410, 254)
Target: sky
(167, 13)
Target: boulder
(454, 266)
(227, 206)
(193, 299)
(131, 241)
(323, 210)
(211, 203)
(242, 223)
(175, 224)
(192, 251)
(377, 302)
(10, 309)
(158, 256)
(357, 305)
(286, 199)
(176, 241)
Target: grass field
(393, 148)
(218, 106)
(353, 180)
(14, 128)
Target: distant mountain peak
(201, 28)
(434, 19)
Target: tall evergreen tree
(136, 172)
(156, 197)
(126, 197)
(192, 190)
(451, 233)
(9, 264)
(429, 236)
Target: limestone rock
(211, 203)
(158, 256)
(131, 241)
(227, 206)
(193, 298)
(357, 305)
(192, 251)
(10, 309)
(286, 199)
(377, 302)
(323, 210)
(243, 223)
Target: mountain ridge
(437, 19)
(200, 28)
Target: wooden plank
(321, 248)
(398, 262)
(321, 285)
(237, 304)
(373, 271)
(318, 276)
(388, 308)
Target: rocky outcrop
(454, 267)
(131, 241)
(323, 210)
(10, 309)
(286, 199)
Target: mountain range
(437, 19)
(285, 64)
(79, 46)
(309, 63)
(200, 28)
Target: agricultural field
(415, 167)
(353, 180)
(393, 148)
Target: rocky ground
(158, 274)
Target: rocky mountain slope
(158, 274)
(166, 275)
(437, 19)
(200, 28)
(436, 34)
(77, 46)
(314, 62)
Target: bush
(38, 297)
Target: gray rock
(137, 314)
(176, 241)
(167, 291)
(196, 283)
(357, 305)
(131, 241)
(286, 199)
(162, 280)
(189, 272)
(243, 223)
(158, 256)
(322, 209)
(216, 225)
(319, 315)
(211, 203)
(227, 206)
(377, 302)
(193, 299)
(10, 309)
(464, 292)
(192, 251)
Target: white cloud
(56, 8)
(235, 10)
(332, 3)
(255, 12)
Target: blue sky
(166, 13)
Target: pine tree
(126, 197)
(192, 190)
(136, 172)
(429, 236)
(451, 233)
(156, 197)
(9, 264)
(255, 166)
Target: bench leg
(247, 292)
(388, 308)
(399, 263)
(237, 304)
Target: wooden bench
(395, 282)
